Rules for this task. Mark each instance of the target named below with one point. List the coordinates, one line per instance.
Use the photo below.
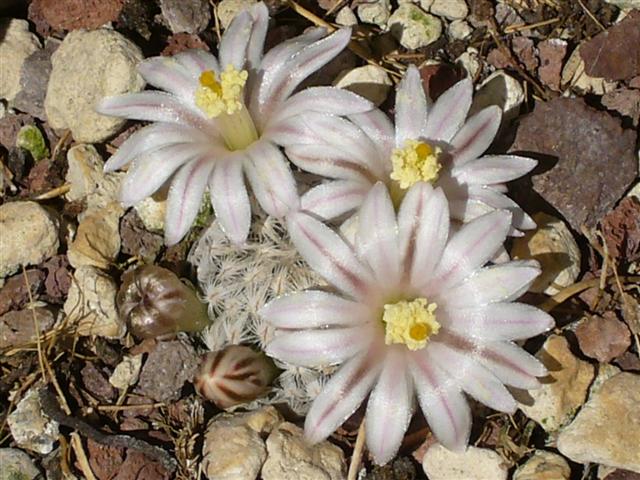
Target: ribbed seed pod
(234, 376)
(155, 303)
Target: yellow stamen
(215, 97)
(411, 323)
(416, 162)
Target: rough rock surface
(290, 457)
(17, 327)
(603, 337)
(375, 11)
(228, 9)
(502, 90)
(607, 429)
(563, 391)
(30, 428)
(370, 82)
(87, 67)
(474, 463)
(74, 14)
(413, 27)
(34, 78)
(551, 53)
(25, 223)
(554, 247)
(621, 43)
(16, 46)
(16, 465)
(97, 241)
(91, 304)
(233, 446)
(595, 163)
(167, 368)
(190, 16)
(543, 465)
(451, 9)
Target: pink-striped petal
(389, 410)
(508, 362)
(328, 254)
(331, 100)
(473, 378)
(230, 200)
(332, 199)
(423, 223)
(476, 135)
(490, 196)
(260, 14)
(411, 107)
(306, 61)
(185, 197)
(153, 168)
(470, 248)
(314, 309)
(233, 46)
(340, 397)
(195, 61)
(441, 401)
(494, 169)
(318, 348)
(448, 113)
(498, 283)
(498, 321)
(271, 179)
(153, 137)
(377, 237)
(168, 74)
(377, 126)
(329, 161)
(155, 107)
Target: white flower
(431, 143)
(217, 119)
(416, 310)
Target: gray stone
(34, 80)
(16, 465)
(290, 457)
(16, 45)
(459, 30)
(29, 426)
(190, 16)
(451, 9)
(88, 66)
(25, 224)
(413, 27)
(376, 12)
(17, 327)
(607, 427)
(474, 463)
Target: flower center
(416, 162)
(223, 99)
(411, 323)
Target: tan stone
(544, 465)
(474, 463)
(563, 391)
(290, 457)
(607, 429)
(16, 45)
(370, 82)
(97, 241)
(553, 245)
(91, 304)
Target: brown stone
(551, 53)
(603, 338)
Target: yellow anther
(411, 323)
(215, 97)
(417, 161)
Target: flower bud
(234, 376)
(155, 303)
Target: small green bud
(30, 138)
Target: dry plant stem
(591, 15)
(353, 46)
(119, 408)
(83, 461)
(356, 457)
(53, 193)
(531, 26)
(568, 292)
